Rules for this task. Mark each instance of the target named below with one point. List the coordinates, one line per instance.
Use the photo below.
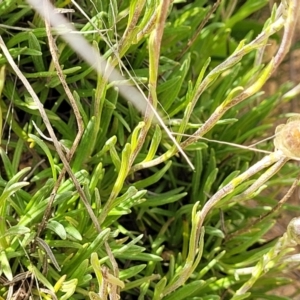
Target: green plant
(101, 195)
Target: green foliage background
(144, 208)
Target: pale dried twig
(78, 117)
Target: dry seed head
(287, 137)
(293, 230)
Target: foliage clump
(125, 175)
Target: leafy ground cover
(134, 183)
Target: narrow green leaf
(154, 144)
(16, 230)
(48, 251)
(34, 43)
(85, 252)
(5, 266)
(84, 150)
(153, 178)
(131, 272)
(187, 291)
(37, 140)
(6, 164)
(41, 278)
(58, 228)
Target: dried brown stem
(51, 132)
(78, 117)
(154, 54)
(272, 212)
(198, 30)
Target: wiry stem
(274, 210)
(273, 257)
(286, 17)
(78, 117)
(103, 67)
(230, 187)
(154, 54)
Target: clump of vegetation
(126, 175)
